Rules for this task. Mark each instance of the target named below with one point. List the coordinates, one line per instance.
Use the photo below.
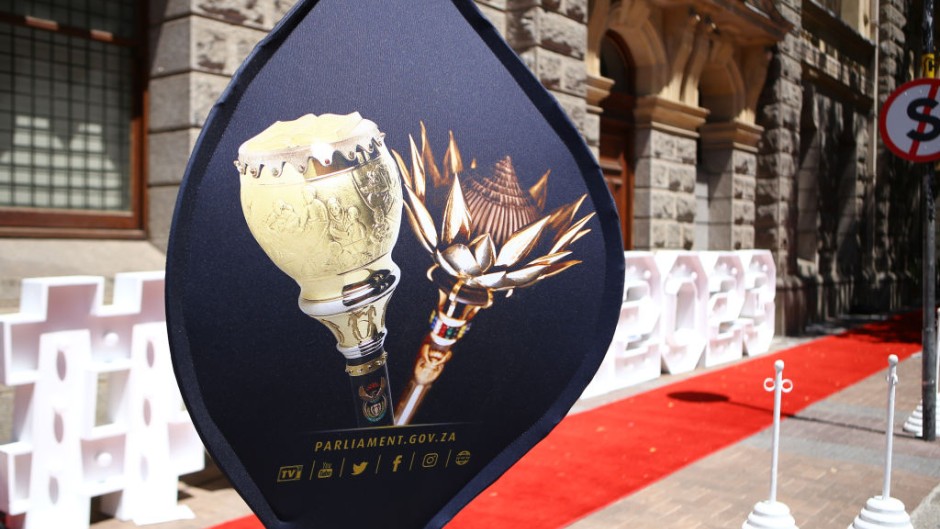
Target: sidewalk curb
(928, 512)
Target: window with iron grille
(70, 117)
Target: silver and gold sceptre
(493, 238)
(323, 198)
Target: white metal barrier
(56, 352)
(682, 310)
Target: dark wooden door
(616, 157)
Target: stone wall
(196, 45)
(551, 38)
(830, 199)
(728, 162)
(894, 270)
(779, 113)
(836, 137)
(664, 214)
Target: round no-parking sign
(910, 120)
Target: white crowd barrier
(682, 310)
(56, 352)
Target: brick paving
(208, 495)
(831, 462)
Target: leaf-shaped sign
(340, 413)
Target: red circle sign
(910, 120)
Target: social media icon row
(398, 463)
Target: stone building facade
(835, 208)
(719, 125)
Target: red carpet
(248, 522)
(597, 457)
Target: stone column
(196, 45)
(551, 38)
(666, 144)
(729, 156)
(779, 114)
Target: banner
(393, 267)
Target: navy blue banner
(368, 335)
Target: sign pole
(929, 356)
(910, 128)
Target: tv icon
(290, 473)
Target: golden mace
(323, 198)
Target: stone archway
(632, 22)
(626, 59)
(698, 67)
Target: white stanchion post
(772, 514)
(885, 511)
(915, 423)
(889, 435)
(778, 385)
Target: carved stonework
(667, 114)
(598, 88)
(731, 135)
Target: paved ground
(831, 462)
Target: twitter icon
(359, 468)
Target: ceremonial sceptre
(493, 238)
